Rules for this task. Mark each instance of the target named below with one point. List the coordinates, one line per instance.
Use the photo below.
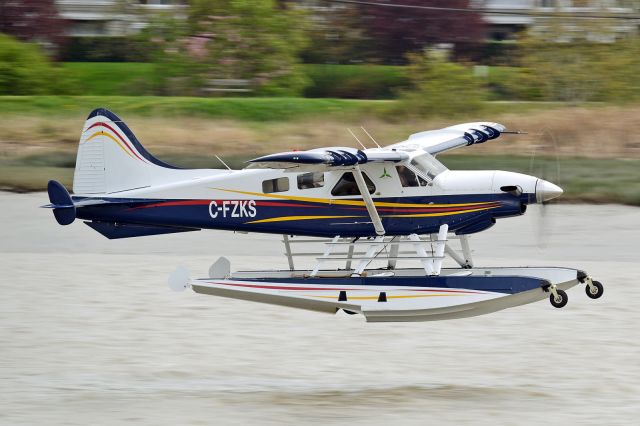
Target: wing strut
(368, 201)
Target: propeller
(549, 171)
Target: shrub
(111, 78)
(441, 87)
(355, 81)
(580, 71)
(25, 70)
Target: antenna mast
(370, 137)
(356, 138)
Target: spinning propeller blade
(546, 190)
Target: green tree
(441, 87)
(250, 40)
(176, 72)
(578, 71)
(25, 70)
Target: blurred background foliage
(280, 48)
(24, 69)
(250, 41)
(242, 77)
(439, 86)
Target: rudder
(63, 208)
(111, 159)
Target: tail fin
(111, 159)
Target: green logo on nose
(385, 174)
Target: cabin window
(428, 165)
(347, 185)
(275, 185)
(311, 180)
(408, 178)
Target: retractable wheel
(594, 290)
(559, 300)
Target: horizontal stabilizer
(128, 230)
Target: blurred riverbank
(91, 334)
(593, 151)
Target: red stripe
(433, 209)
(273, 287)
(179, 203)
(454, 291)
(428, 209)
(119, 137)
(276, 204)
(206, 202)
(174, 203)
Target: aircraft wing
(322, 159)
(437, 141)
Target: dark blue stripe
(498, 284)
(125, 129)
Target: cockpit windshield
(428, 165)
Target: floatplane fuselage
(378, 199)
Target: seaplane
(369, 209)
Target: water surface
(90, 334)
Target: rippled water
(90, 333)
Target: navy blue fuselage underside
(299, 217)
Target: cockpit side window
(275, 185)
(408, 178)
(347, 185)
(311, 180)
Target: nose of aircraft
(546, 191)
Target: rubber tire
(562, 303)
(600, 288)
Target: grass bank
(245, 109)
(598, 146)
(234, 126)
(242, 109)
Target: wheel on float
(560, 300)
(595, 290)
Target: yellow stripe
(285, 218)
(346, 202)
(101, 133)
(437, 214)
